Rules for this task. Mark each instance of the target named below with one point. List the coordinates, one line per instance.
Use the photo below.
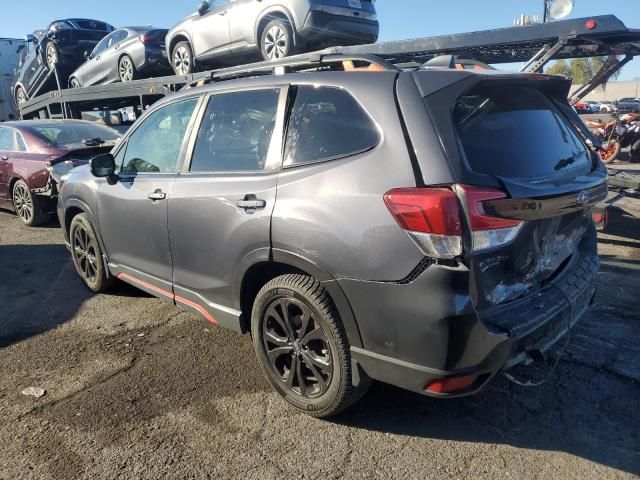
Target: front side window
(154, 147)
(327, 123)
(236, 132)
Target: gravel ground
(135, 388)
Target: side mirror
(203, 8)
(30, 38)
(104, 166)
(87, 55)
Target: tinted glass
(155, 145)
(327, 123)
(66, 134)
(102, 45)
(118, 36)
(236, 132)
(6, 139)
(20, 146)
(517, 132)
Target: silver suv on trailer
(222, 29)
(427, 228)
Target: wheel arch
(12, 183)
(259, 270)
(271, 14)
(75, 207)
(177, 38)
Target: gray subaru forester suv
(429, 228)
(222, 30)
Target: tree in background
(580, 70)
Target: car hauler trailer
(9, 48)
(533, 45)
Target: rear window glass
(517, 132)
(66, 134)
(327, 123)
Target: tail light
(487, 231)
(432, 218)
(144, 38)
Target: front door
(132, 214)
(210, 32)
(220, 209)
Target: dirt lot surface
(137, 389)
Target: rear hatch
(524, 176)
(360, 8)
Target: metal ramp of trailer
(534, 45)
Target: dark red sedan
(36, 154)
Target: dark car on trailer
(428, 228)
(35, 156)
(125, 55)
(61, 45)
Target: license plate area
(355, 4)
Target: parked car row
(624, 105)
(84, 52)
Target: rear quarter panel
(333, 214)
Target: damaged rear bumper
(412, 347)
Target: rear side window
(517, 132)
(327, 123)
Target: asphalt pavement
(135, 388)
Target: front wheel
(277, 40)
(611, 151)
(25, 204)
(87, 254)
(51, 55)
(74, 83)
(21, 97)
(302, 346)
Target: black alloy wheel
(297, 347)
(87, 254)
(302, 346)
(25, 204)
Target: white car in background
(608, 107)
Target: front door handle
(157, 196)
(251, 202)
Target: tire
(21, 96)
(612, 150)
(634, 153)
(74, 83)
(277, 40)
(87, 255)
(182, 60)
(25, 204)
(126, 69)
(51, 55)
(315, 349)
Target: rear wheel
(21, 96)
(611, 151)
(26, 205)
(51, 55)
(126, 69)
(302, 347)
(87, 255)
(277, 40)
(182, 59)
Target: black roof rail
(297, 63)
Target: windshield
(66, 134)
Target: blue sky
(399, 18)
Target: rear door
(132, 213)
(111, 56)
(526, 177)
(210, 32)
(93, 70)
(221, 205)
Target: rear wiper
(94, 142)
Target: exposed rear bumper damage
(415, 344)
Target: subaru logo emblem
(583, 198)
(93, 24)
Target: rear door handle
(251, 202)
(157, 196)
(222, 14)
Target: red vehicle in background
(36, 154)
